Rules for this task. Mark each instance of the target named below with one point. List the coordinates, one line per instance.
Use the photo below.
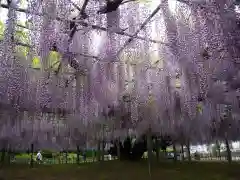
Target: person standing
(39, 157)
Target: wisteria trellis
(118, 79)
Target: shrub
(55, 154)
(89, 153)
(197, 156)
(47, 154)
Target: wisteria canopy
(76, 72)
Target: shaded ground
(114, 170)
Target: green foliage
(20, 36)
(36, 63)
(2, 28)
(23, 37)
(54, 60)
(23, 156)
(48, 154)
(197, 156)
(89, 153)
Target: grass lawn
(115, 170)
(72, 158)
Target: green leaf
(36, 63)
(54, 60)
(22, 51)
(21, 36)
(199, 108)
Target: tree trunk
(174, 152)
(94, 155)
(188, 151)
(9, 155)
(32, 154)
(165, 153)
(149, 148)
(157, 149)
(229, 153)
(182, 151)
(78, 155)
(3, 155)
(118, 149)
(218, 149)
(59, 158)
(66, 157)
(99, 150)
(102, 152)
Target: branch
(185, 2)
(128, 1)
(97, 27)
(20, 44)
(110, 6)
(68, 81)
(140, 28)
(190, 3)
(76, 6)
(84, 7)
(81, 14)
(28, 28)
(74, 63)
(70, 55)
